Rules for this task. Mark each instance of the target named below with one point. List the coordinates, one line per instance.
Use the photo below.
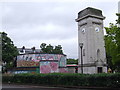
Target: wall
(30, 60)
(93, 41)
(19, 70)
(48, 67)
(49, 63)
(71, 69)
(24, 63)
(63, 70)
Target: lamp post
(81, 46)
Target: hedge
(96, 80)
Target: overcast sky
(52, 22)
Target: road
(31, 87)
(34, 87)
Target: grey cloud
(30, 24)
(36, 14)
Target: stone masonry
(90, 33)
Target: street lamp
(81, 46)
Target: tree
(50, 49)
(33, 49)
(58, 50)
(112, 44)
(23, 47)
(72, 61)
(9, 51)
(118, 21)
(43, 47)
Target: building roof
(90, 11)
(28, 50)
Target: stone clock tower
(91, 51)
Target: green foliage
(50, 49)
(66, 79)
(72, 61)
(118, 21)
(112, 45)
(9, 51)
(58, 50)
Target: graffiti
(45, 69)
(50, 56)
(63, 70)
(62, 62)
(39, 57)
(53, 66)
(24, 63)
(29, 60)
(48, 67)
(18, 72)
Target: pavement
(33, 87)
(37, 87)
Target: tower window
(83, 52)
(98, 54)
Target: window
(98, 54)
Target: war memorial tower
(91, 50)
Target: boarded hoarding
(30, 60)
(48, 67)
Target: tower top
(90, 12)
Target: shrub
(66, 79)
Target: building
(33, 61)
(24, 50)
(92, 56)
(29, 61)
(72, 68)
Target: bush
(97, 80)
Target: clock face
(83, 30)
(97, 29)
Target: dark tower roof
(90, 12)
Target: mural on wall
(48, 67)
(63, 70)
(50, 56)
(18, 72)
(24, 63)
(62, 62)
(29, 60)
